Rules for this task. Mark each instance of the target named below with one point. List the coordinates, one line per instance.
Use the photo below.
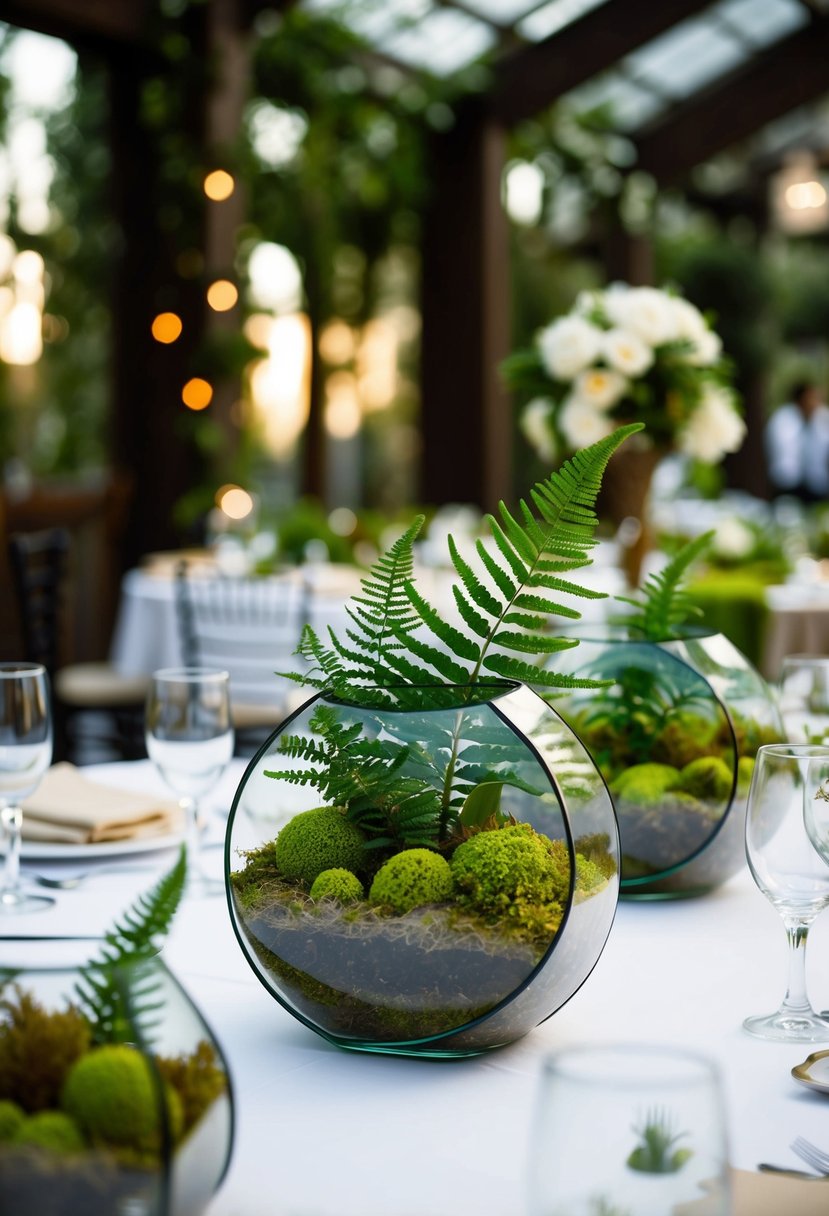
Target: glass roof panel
(762, 22)
(502, 12)
(373, 19)
(630, 104)
(442, 42)
(553, 17)
(686, 57)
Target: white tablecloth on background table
(326, 1132)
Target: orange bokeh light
(197, 394)
(166, 327)
(222, 295)
(219, 185)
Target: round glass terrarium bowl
(466, 929)
(138, 1122)
(675, 735)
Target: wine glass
(625, 1128)
(25, 755)
(804, 697)
(786, 783)
(189, 736)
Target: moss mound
(411, 879)
(53, 1130)
(317, 840)
(645, 784)
(337, 884)
(511, 864)
(707, 778)
(111, 1093)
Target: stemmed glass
(25, 755)
(789, 779)
(627, 1128)
(189, 737)
(804, 697)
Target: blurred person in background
(796, 442)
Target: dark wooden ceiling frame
(466, 414)
(789, 74)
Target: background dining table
(326, 1132)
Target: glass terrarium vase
(675, 735)
(135, 1121)
(449, 889)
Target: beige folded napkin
(69, 808)
(768, 1195)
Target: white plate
(47, 850)
(814, 1072)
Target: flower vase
(131, 1115)
(624, 500)
(461, 938)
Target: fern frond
(118, 992)
(663, 603)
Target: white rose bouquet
(628, 354)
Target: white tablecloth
(325, 1132)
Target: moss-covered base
(655, 838)
(356, 973)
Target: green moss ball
(745, 771)
(317, 840)
(494, 868)
(645, 784)
(337, 884)
(53, 1130)
(707, 778)
(11, 1117)
(111, 1093)
(411, 879)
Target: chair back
(39, 564)
(248, 626)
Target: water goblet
(628, 1130)
(25, 755)
(785, 784)
(189, 737)
(804, 697)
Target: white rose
(645, 310)
(713, 429)
(626, 352)
(582, 424)
(599, 387)
(688, 320)
(568, 346)
(536, 426)
(707, 349)
(733, 538)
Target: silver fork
(75, 880)
(818, 1158)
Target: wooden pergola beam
(789, 74)
(532, 78)
(82, 22)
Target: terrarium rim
(479, 692)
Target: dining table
(322, 1131)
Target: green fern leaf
(475, 588)
(663, 604)
(499, 576)
(118, 992)
(477, 623)
(458, 643)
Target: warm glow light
(337, 343)
(21, 339)
(280, 384)
(804, 195)
(197, 394)
(342, 406)
(27, 267)
(275, 278)
(222, 295)
(236, 502)
(377, 364)
(219, 185)
(257, 329)
(166, 327)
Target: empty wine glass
(787, 782)
(628, 1130)
(25, 755)
(189, 738)
(804, 697)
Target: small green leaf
(482, 804)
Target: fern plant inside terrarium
(399, 651)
